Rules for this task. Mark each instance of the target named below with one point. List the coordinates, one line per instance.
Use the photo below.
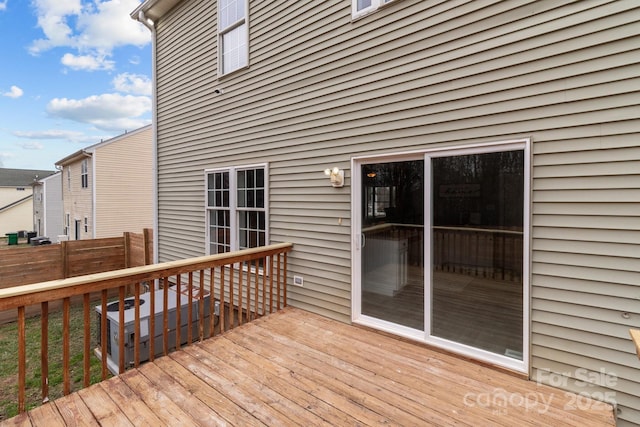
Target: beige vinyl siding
(322, 88)
(78, 201)
(124, 184)
(18, 217)
(52, 210)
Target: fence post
(148, 245)
(64, 248)
(127, 249)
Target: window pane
(231, 11)
(219, 231)
(260, 178)
(260, 198)
(251, 199)
(225, 198)
(363, 4)
(234, 49)
(242, 179)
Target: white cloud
(15, 92)
(3, 5)
(93, 26)
(109, 112)
(32, 145)
(87, 62)
(57, 134)
(136, 84)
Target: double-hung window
(363, 7)
(236, 208)
(233, 35)
(84, 173)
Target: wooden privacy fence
(232, 288)
(23, 266)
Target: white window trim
(233, 208)
(223, 31)
(375, 5)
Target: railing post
(44, 350)
(22, 362)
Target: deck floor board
(297, 368)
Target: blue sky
(72, 73)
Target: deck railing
(246, 284)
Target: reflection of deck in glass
(477, 284)
(482, 313)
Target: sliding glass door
(476, 230)
(441, 249)
(393, 242)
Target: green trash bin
(12, 238)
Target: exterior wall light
(336, 175)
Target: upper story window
(68, 178)
(233, 35)
(236, 208)
(362, 7)
(84, 173)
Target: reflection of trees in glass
(479, 190)
(402, 184)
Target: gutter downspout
(154, 128)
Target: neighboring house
(16, 198)
(47, 206)
(107, 187)
(489, 152)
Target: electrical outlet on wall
(298, 281)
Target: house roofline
(81, 154)
(15, 203)
(88, 151)
(154, 9)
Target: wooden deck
(297, 368)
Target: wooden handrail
(229, 282)
(57, 289)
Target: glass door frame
(425, 336)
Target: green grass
(9, 360)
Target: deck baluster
(86, 316)
(22, 362)
(121, 293)
(136, 325)
(44, 350)
(178, 311)
(66, 306)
